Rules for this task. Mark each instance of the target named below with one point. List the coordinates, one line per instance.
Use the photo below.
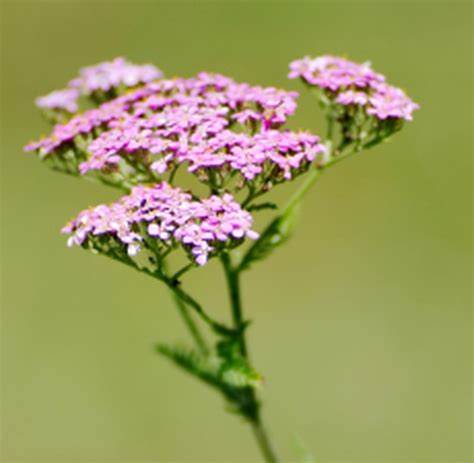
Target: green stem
(188, 319)
(298, 195)
(191, 325)
(330, 124)
(177, 290)
(121, 185)
(314, 175)
(217, 327)
(233, 282)
(263, 442)
(233, 285)
(182, 271)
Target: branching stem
(190, 324)
(188, 319)
(175, 287)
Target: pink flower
(170, 122)
(170, 216)
(391, 102)
(110, 74)
(60, 99)
(352, 97)
(350, 83)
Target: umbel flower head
(366, 108)
(113, 74)
(101, 81)
(160, 218)
(349, 83)
(225, 132)
(65, 99)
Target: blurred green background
(362, 323)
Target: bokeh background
(362, 323)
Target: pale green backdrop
(362, 323)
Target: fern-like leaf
(193, 362)
(225, 372)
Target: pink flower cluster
(287, 152)
(63, 135)
(350, 83)
(101, 77)
(202, 121)
(280, 154)
(167, 216)
(112, 74)
(65, 99)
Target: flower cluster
(278, 155)
(112, 74)
(228, 134)
(348, 83)
(271, 154)
(160, 217)
(65, 99)
(83, 124)
(208, 122)
(98, 81)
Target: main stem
(263, 442)
(233, 283)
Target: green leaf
(195, 363)
(226, 371)
(277, 233)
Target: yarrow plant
(137, 131)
